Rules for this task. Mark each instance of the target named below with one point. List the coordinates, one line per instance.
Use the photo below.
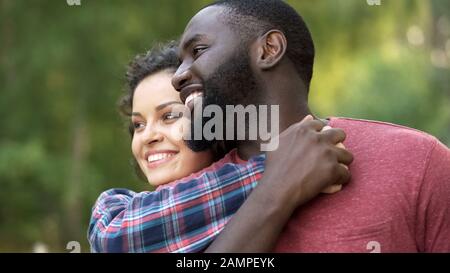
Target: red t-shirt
(398, 199)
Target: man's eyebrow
(192, 40)
(162, 106)
(136, 114)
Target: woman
(157, 129)
(181, 215)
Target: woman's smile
(157, 158)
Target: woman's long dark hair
(161, 57)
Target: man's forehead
(203, 23)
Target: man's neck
(249, 148)
(285, 89)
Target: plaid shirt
(182, 216)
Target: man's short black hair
(255, 17)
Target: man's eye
(172, 115)
(197, 50)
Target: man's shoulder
(393, 143)
(363, 128)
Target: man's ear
(271, 49)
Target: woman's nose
(152, 135)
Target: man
(188, 214)
(261, 52)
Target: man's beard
(232, 83)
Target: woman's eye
(138, 125)
(172, 115)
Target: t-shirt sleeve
(433, 208)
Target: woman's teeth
(192, 96)
(156, 157)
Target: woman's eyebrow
(161, 106)
(136, 114)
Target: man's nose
(181, 77)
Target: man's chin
(199, 145)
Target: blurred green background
(62, 67)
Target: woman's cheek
(135, 148)
(184, 128)
(176, 132)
